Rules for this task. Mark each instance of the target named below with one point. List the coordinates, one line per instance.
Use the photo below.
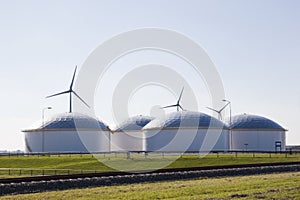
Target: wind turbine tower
(70, 91)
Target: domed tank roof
(245, 121)
(69, 121)
(134, 123)
(185, 119)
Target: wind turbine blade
(212, 109)
(180, 95)
(181, 107)
(71, 86)
(81, 99)
(169, 106)
(65, 92)
(224, 107)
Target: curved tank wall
(186, 131)
(256, 133)
(127, 141)
(128, 135)
(68, 132)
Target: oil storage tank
(186, 131)
(257, 133)
(68, 132)
(128, 135)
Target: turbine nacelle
(178, 102)
(70, 91)
(218, 111)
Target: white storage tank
(68, 132)
(186, 131)
(128, 135)
(253, 132)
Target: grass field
(270, 186)
(33, 165)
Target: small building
(68, 132)
(128, 135)
(186, 131)
(256, 133)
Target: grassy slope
(53, 162)
(76, 162)
(228, 159)
(278, 186)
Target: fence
(9, 172)
(42, 172)
(92, 154)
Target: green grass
(271, 186)
(86, 163)
(62, 165)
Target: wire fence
(24, 172)
(110, 153)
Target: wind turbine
(70, 91)
(178, 102)
(218, 111)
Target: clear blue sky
(254, 44)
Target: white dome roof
(185, 119)
(246, 121)
(134, 123)
(69, 121)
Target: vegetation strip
(75, 164)
(118, 173)
(40, 186)
(279, 186)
